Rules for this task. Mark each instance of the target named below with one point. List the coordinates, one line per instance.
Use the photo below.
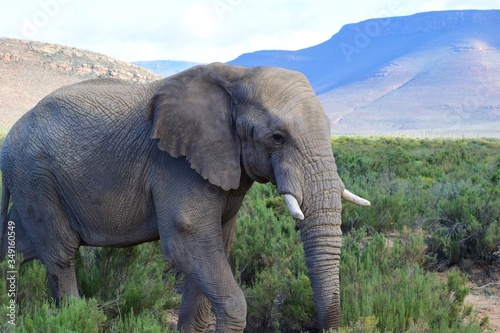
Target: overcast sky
(199, 30)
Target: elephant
(108, 163)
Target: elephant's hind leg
(54, 242)
(62, 280)
(59, 259)
(23, 243)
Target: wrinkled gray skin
(108, 163)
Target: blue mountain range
(165, 67)
(434, 72)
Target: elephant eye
(278, 138)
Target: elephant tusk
(351, 197)
(293, 206)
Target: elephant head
(266, 124)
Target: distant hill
(165, 67)
(30, 70)
(429, 72)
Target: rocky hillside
(30, 70)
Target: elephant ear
(192, 117)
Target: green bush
(448, 187)
(33, 290)
(122, 288)
(144, 323)
(268, 261)
(387, 283)
(76, 315)
(102, 274)
(363, 325)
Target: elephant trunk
(313, 192)
(322, 236)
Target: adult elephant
(108, 163)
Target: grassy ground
(437, 199)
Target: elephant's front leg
(196, 311)
(194, 242)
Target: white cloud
(201, 20)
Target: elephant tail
(4, 208)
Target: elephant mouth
(296, 211)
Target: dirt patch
(486, 306)
(485, 294)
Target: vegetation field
(435, 206)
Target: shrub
(449, 187)
(388, 284)
(268, 262)
(144, 323)
(363, 325)
(122, 288)
(75, 315)
(33, 290)
(137, 285)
